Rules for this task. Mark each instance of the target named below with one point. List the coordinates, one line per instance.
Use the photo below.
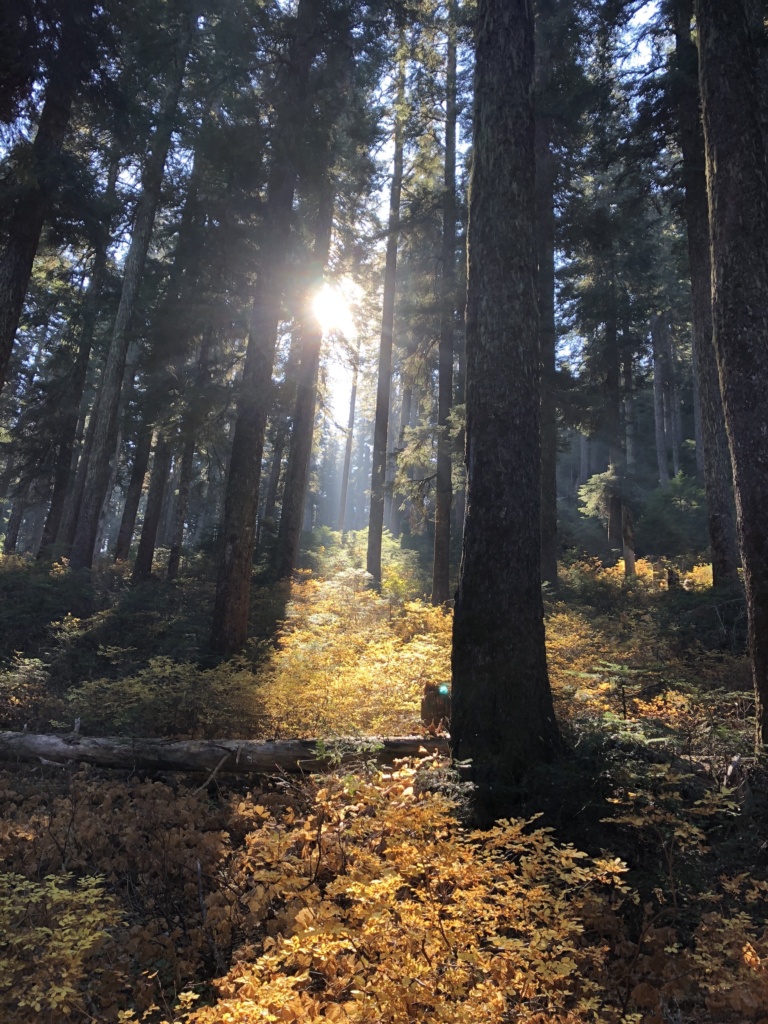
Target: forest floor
(631, 885)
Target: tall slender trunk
(190, 425)
(31, 209)
(731, 52)
(717, 468)
(186, 471)
(671, 400)
(103, 523)
(342, 516)
(384, 379)
(363, 476)
(441, 566)
(502, 716)
(142, 567)
(286, 401)
(658, 402)
(18, 508)
(300, 455)
(74, 498)
(233, 585)
(406, 407)
(612, 394)
(133, 492)
(630, 423)
(105, 428)
(72, 414)
(584, 461)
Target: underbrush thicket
(360, 895)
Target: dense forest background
(245, 409)
(202, 164)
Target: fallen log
(233, 756)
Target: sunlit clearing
(331, 307)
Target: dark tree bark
(106, 413)
(546, 175)
(502, 715)
(718, 472)
(133, 492)
(31, 208)
(730, 52)
(161, 466)
(233, 585)
(441, 566)
(545, 238)
(384, 378)
(300, 454)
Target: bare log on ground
(233, 756)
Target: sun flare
(332, 309)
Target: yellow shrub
(52, 943)
(347, 663)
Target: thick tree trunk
(300, 454)
(546, 175)
(718, 472)
(384, 378)
(28, 216)
(142, 567)
(545, 238)
(105, 428)
(237, 757)
(502, 715)
(441, 566)
(233, 585)
(133, 492)
(737, 178)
